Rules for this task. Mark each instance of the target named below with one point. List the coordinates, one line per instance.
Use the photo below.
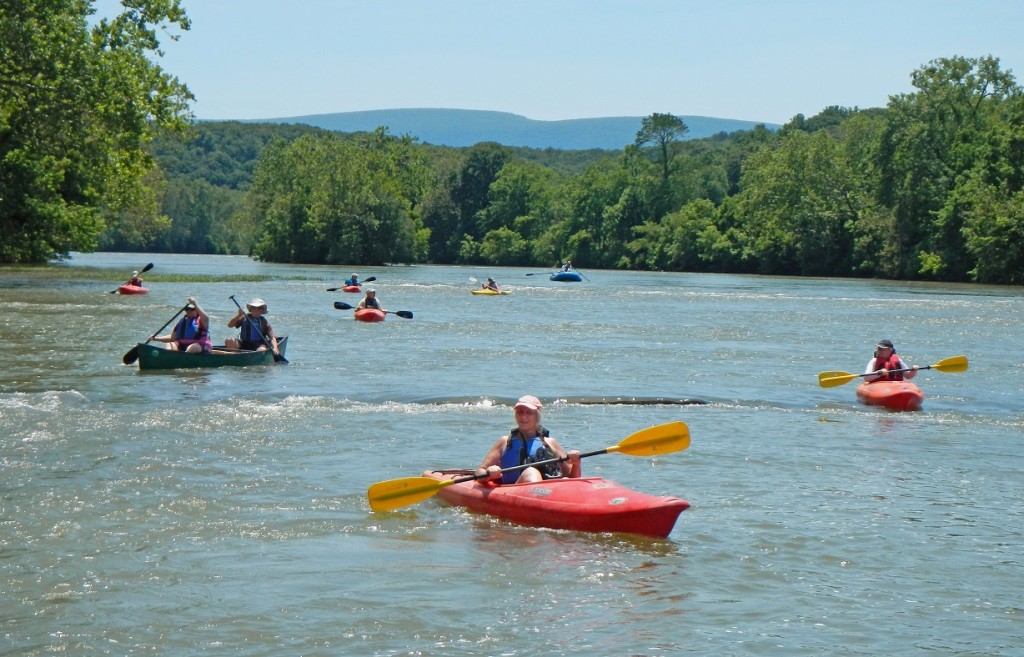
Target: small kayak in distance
(587, 504)
(566, 277)
(489, 292)
(351, 288)
(894, 395)
(369, 315)
(132, 289)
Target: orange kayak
(132, 289)
(588, 504)
(369, 315)
(894, 395)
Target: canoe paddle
(341, 305)
(365, 280)
(132, 354)
(141, 271)
(654, 441)
(951, 364)
(278, 358)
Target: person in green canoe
(191, 333)
(528, 442)
(255, 331)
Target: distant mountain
(458, 128)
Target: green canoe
(152, 357)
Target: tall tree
(78, 103)
(934, 136)
(662, 130)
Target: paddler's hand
(573, 456)
(492, 471)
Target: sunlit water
(224, 511)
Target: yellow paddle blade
(833, 379)
(396, 493)
(951, 364)
(661, 439)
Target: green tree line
(98, 151)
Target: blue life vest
(251, 330)
(190, 329)
(519, 451)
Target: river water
(224, 512)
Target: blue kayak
(566, 276)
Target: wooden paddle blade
(833, 379)
(952, 364)
(131, 355)
(396, 493)
(660, 439)
(341, 305)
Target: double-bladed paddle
(951, 364)
(365, 280)
(341, 305)
(141, 271)
(654, 441)
(278, 358)
(132, 354)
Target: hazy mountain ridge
(459, 128)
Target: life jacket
(251, 329)
(520, 451)
(190, 330)
(371, 303)
(892, 363)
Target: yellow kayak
(489, 292)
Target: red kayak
(894, 395)
(587, 504)
(132, 289)
(351, 288)
(370, 315)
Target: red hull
(351, 288)
(894, 395)
(588, 504)
(132, 289)
(369, 315)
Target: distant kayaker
(252, 326)
(370, 301)
(135, 279)
(191, 333)
(529, 442)
(885, 365)
(491, 285)
(353, 280)
(567, 265)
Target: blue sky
(562, 59)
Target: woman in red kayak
(529, 442)
(885, 365)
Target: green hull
(152, 357)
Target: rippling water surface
(224, 512)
